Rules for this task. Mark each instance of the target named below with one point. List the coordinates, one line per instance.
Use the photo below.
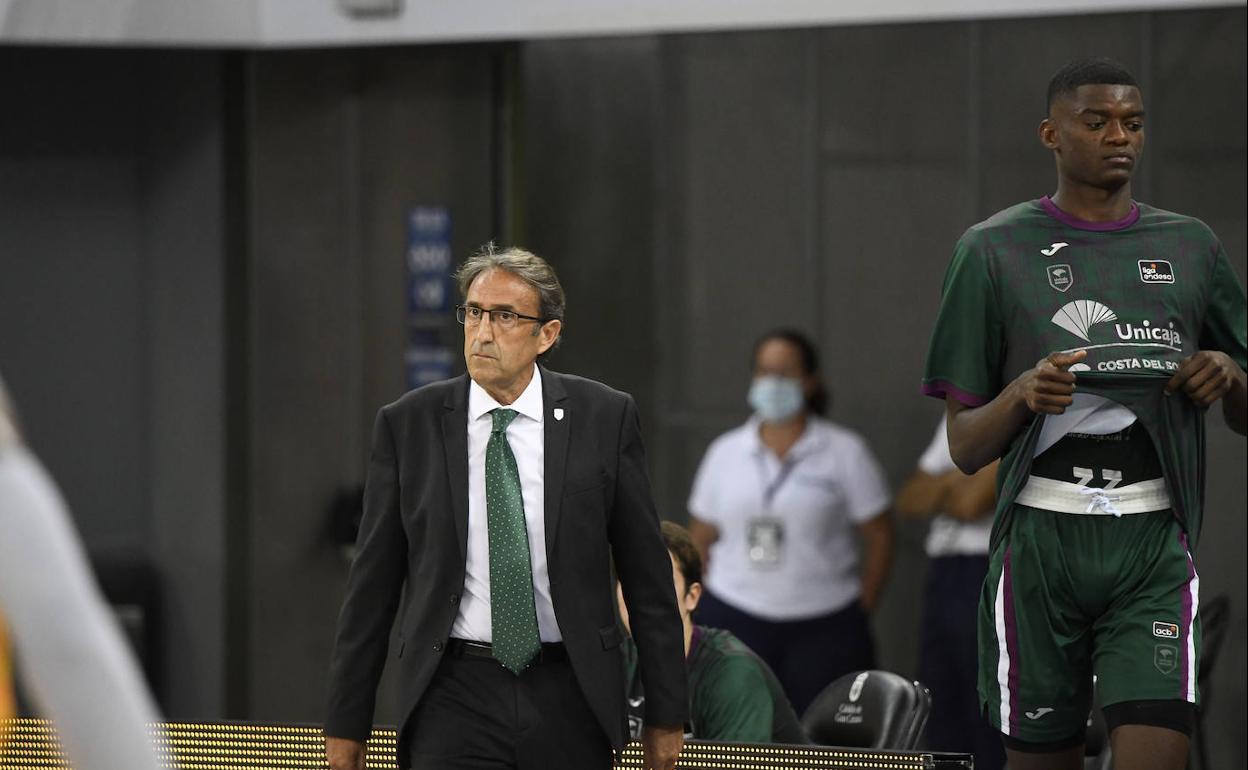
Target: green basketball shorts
(1072, 596)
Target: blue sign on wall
(430, 295)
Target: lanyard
(771, 489)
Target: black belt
(551, 652)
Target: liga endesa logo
(1156, 271)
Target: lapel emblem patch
(1060, 277)
(558, 413)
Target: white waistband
(1065, 497)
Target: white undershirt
(1093, 415)
(527, 440)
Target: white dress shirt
(527, 440)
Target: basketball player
(1081, 337)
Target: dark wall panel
(73, 331)
(897, 143)
(111, 320)
(586, 137)
(341, 145)
(740, 119)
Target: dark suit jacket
(415, 529)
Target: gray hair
(526, 266)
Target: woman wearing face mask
(776, 509)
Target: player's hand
(1049, 387)
(344, 754)
(661, 746)
(1205, 376)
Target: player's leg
(1149, 747)
(1038, 758)
(1148, 646)
(1035, 642)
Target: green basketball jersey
(733, 695)
(1139, 295)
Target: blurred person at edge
(774, 510)
(70, 652)
(961, 508)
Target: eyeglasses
(471, 315)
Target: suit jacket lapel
(555, 431)
(455, 442)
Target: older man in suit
(501, 498)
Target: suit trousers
(477, 715)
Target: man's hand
(344, 754)
(1205, 377)
(1049, 387)
(661, 746)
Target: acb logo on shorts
(1164, 630)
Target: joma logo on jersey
(1163, 630)
(1156, 271)
(1060, 277)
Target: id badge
(766, 541)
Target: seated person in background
(734, 695)
(961, 508)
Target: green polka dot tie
(513, 617)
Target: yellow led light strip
(33, 745)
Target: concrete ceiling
(317, 23)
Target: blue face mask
(776, 399)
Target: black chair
(869, 710)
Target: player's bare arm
(979, 435)
(1209, 375)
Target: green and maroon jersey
(1139, 295)
(733, 695)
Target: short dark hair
(681, 546)
(820, 400)
(1088, 71)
